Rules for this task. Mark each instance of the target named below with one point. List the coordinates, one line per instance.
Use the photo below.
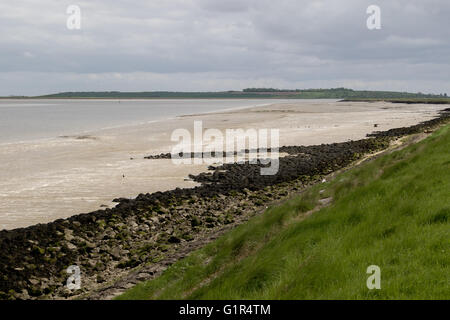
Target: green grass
(392, 212)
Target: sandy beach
(59, 177)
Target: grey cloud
(223, 45)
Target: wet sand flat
(56, 178)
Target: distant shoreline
(407, 101)
(249, 93)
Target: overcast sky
(202, 45)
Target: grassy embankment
(392, 212)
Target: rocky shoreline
(142, 236)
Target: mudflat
(56, 178)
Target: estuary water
(30, 119)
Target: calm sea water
(22, 120)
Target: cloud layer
(197, 45)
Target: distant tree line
(333, 93)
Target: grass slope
(392, 212)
